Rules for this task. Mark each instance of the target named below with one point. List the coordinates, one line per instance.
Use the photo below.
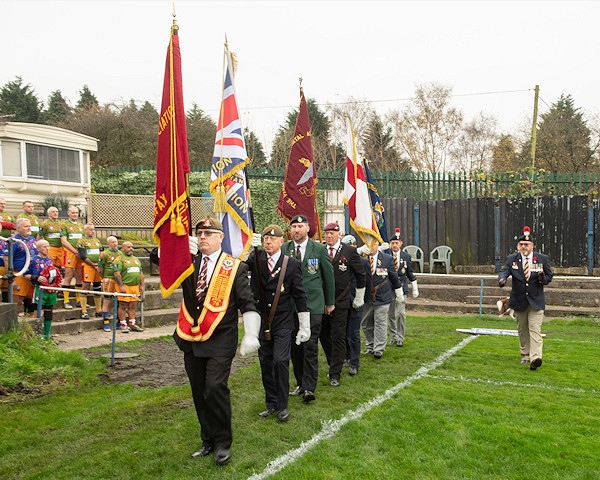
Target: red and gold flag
(171, 206)
(298, 192)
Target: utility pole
(534, 128)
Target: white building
(40, 160)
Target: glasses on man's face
(201, 233)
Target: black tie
(298, 254)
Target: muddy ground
(158, 363)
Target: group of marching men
(299, 292)
(63, 251)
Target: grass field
(446, 406)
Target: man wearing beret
(319, 285)
(207, 333)
(276, 280)
(384, 286)
(397, 312)
(530, 271)
(346, 265)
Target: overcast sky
(374, 50)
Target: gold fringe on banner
(220, 205)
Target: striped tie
(201, 286)
(270, 264)
(396, 261)
(298, 254)
(371, 263)
(526, 268)
(331, 255)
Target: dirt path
(157, 363)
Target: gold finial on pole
(300, 80)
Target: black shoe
(308, 396)
(535, 364)
(334, 382)
(203, 452)
(377, 355)
(222, 457)
(267, 412)
(297, 391)
(353, 371)
(283, 416)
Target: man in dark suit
(346, 264)
(319, 285)
(530, 271)
(355, 315)
(267, 271)
(397, 312)
(207, 334)
(385, 283)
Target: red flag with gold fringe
(171, 205)
(298, 192)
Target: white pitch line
(331, 427)
(513, 384)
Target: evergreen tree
(326, 154)
(254, 149)
(378, 147)
(19, 103)
(563, 139)
(201, 130)
(58, 109)
(87, 99)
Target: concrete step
(425, 306)
(152, 318)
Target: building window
(51, 163)
(11, 159)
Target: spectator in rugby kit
(71, 233)
(89, 248)
(129, 279)
(106, 269)
(22, 287)
(50, 230)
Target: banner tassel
(220, 205)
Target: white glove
(383, 247)
(256, 240)
(415, 289)
(250, 343)
(304, 332)
(359, 298)
(193, 246)
(364, 250)
(399, 295)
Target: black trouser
(305, 357)
(208, 379)
(353, 336)
(274, 356)
(333, 340)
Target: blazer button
(268, 304)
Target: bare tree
(427, 129)
(475, 143)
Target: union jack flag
(228, 175)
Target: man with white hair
(50, 230)
(22, 286)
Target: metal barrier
(115, 296)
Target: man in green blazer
(319, 284)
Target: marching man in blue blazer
(377, 302)
(530, 271)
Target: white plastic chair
(416, 255)
(440, 254)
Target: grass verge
(477, 414)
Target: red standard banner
(171, 207)
(298, 193)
